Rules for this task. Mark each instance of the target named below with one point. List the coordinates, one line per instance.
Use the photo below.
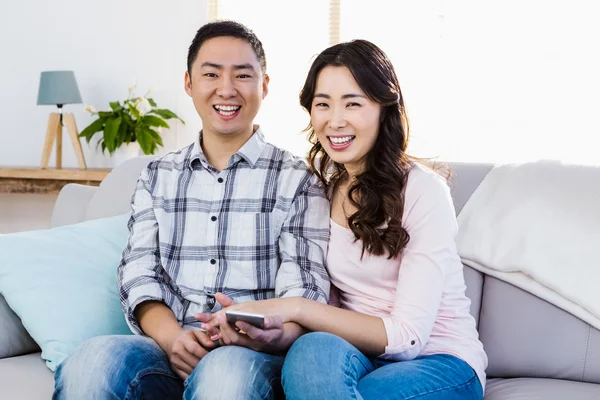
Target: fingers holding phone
(257, 320)
(268, 332)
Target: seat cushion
(540, 389)
(25, 378)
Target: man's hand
(186, 350)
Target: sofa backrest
(525, 336)
(113, 197)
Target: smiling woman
(342, 116)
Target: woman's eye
(321, 105)
(353, 105)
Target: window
(491, 81)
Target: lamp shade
(58, 87)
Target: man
(228, 214)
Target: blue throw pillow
(62, 283)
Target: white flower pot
(126, 152)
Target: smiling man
(228, 214)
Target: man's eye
(245, 76)
(210, 75)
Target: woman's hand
(272, 338)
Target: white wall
(106, 43)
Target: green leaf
(152, 102)
(122, 133)
(130, 124)
(155, 136)
(144, 139)
(105, 114)
(94, 127)
(151, 120)
(166, 114)
(134, 111)
(115, 105)
(100, 143)
(111, 129)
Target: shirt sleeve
(303, 245)
(141, 276)
(431, 223)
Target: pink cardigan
(420, 296)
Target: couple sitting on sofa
(234, 223)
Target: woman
(398, 323)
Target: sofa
(535, 350)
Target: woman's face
(345, 120)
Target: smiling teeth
(340, 140)
(227, 110)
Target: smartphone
(257, 320)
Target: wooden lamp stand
(54, 133)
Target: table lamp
(59, 88)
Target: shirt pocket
(255, 229)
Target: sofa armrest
(14, 339)
(71, 204)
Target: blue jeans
(324, 366)
(135, 367)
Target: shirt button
(213, 218)
(220, 180)
(213, 261)
(412, 342)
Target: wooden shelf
(36, 180)
(65, 174)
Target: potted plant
(136, 119)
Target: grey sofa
(535, 350)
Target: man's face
(227, 86)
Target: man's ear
(265, 85)
(188, 83)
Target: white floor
(23, 212)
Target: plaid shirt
(256, 230)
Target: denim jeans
(324, 366)
(135, 367)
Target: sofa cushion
(525, 336)
(61, 282)
(14, 339)
(25, 378)
(540, 389)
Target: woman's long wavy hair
(378, 191)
